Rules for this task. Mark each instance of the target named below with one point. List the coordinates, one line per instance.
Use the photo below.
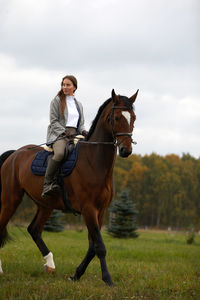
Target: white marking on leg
(49, 261)
(1, 271)
(127, 115)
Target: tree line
(166, 190)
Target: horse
(89, 186)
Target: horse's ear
(133, 98)
(114, 97)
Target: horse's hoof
(73, 278)
(70, 278)
(109, 282)
(48, 270)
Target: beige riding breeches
(60, 145)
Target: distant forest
(166, 191)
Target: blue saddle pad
(39, 164)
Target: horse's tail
(3, 234)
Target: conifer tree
(122, 220)
(55, 222)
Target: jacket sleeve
(82, 120)
(56, 126)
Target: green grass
(157, 265)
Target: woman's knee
(59, 150)
(58, 156)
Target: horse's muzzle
(124, 151)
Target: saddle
(39, 163)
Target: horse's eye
(117, 119)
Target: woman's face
(68, 87)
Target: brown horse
(89, 186)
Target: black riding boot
(50, 184)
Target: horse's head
(122, 120)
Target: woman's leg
(50, 183)
(59, 149)
(61, 145)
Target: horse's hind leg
(35, 230)
(9, 203)
(10, 200)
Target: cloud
(168, 125)
(98, 33)
(126, 45)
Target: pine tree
(55, 222)
(122, 217)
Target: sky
(150, 45)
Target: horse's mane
(94, 122)
(126, 102)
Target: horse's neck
(101, 158)
(103, 154)
(102, 133)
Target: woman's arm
(55, 117)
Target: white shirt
(73, 114)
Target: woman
(66, 120)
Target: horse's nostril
(124, 152)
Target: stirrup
(50, 189)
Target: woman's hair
(62, 96)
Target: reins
(114, 135)
(115, 143)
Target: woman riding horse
(89, 185)
(66, 120)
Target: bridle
(114, 135)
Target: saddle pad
(39, 164)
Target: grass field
(157, 265)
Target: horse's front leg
(92, 222)
(104, 269)
(83, 266)
(100, 251)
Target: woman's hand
(84, 133)
(67, 132)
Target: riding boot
(50, 184)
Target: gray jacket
(57, 124)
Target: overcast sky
(150, 45)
